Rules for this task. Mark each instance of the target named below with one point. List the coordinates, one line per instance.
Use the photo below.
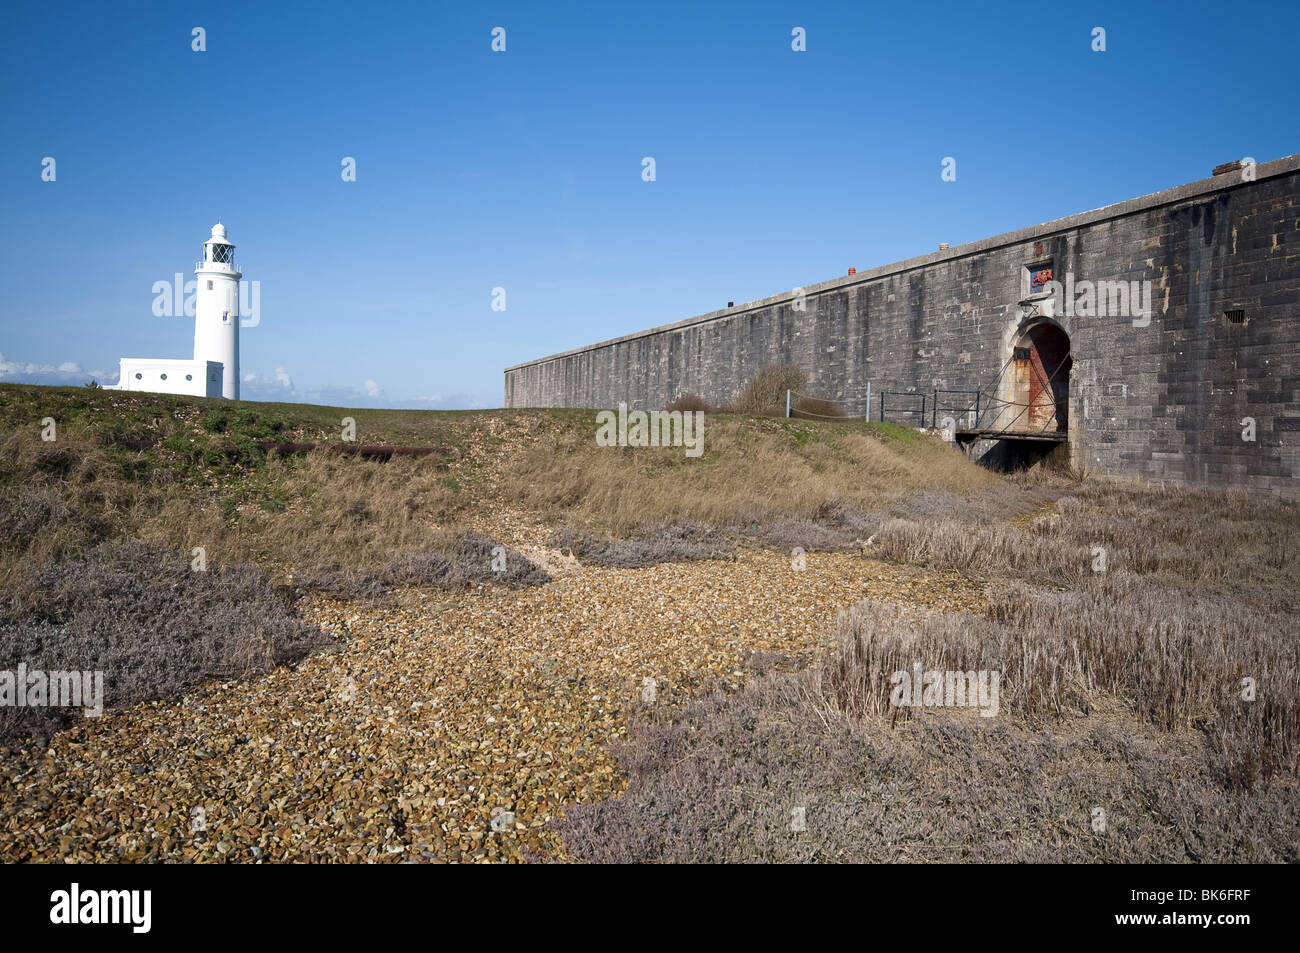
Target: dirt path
(427, 718)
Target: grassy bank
(142, 487)
(182, 473)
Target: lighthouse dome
(219, 231)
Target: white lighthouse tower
(214, 371)
(216, 310)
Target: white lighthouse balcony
(222, 267)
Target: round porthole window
(163, 376)
(189, 377)
(138, 375)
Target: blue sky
(522, 170)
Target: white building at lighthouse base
(161, 376)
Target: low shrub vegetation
(1148, 669)
(1113, 698)
(148, 621)
(722, 781)
(663, 544)
(765, 392)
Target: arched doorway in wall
(1040, 373)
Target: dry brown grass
(1121, 691)
(752, 470)
(816, 408)
(1164, 690)
(319, 513)
(123, 468)
(1178, 662)
(981, 550)
(1182, 539)
(690, 403)
(1173, 598)
(326, 513)
(719, 782)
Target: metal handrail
(904, 410)
(968, 409)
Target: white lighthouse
(214, 371)
(216, 310)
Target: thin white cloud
(30, 372)
(275, 386)
(452, 401)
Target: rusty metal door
(1040, 375)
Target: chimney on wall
(1234, 166)
(853, 271)
(943, 246)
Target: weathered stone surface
(1161, 402)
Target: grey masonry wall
(1165, 401)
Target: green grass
(898, 433)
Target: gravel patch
(448, 726)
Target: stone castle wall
(1160, 398)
